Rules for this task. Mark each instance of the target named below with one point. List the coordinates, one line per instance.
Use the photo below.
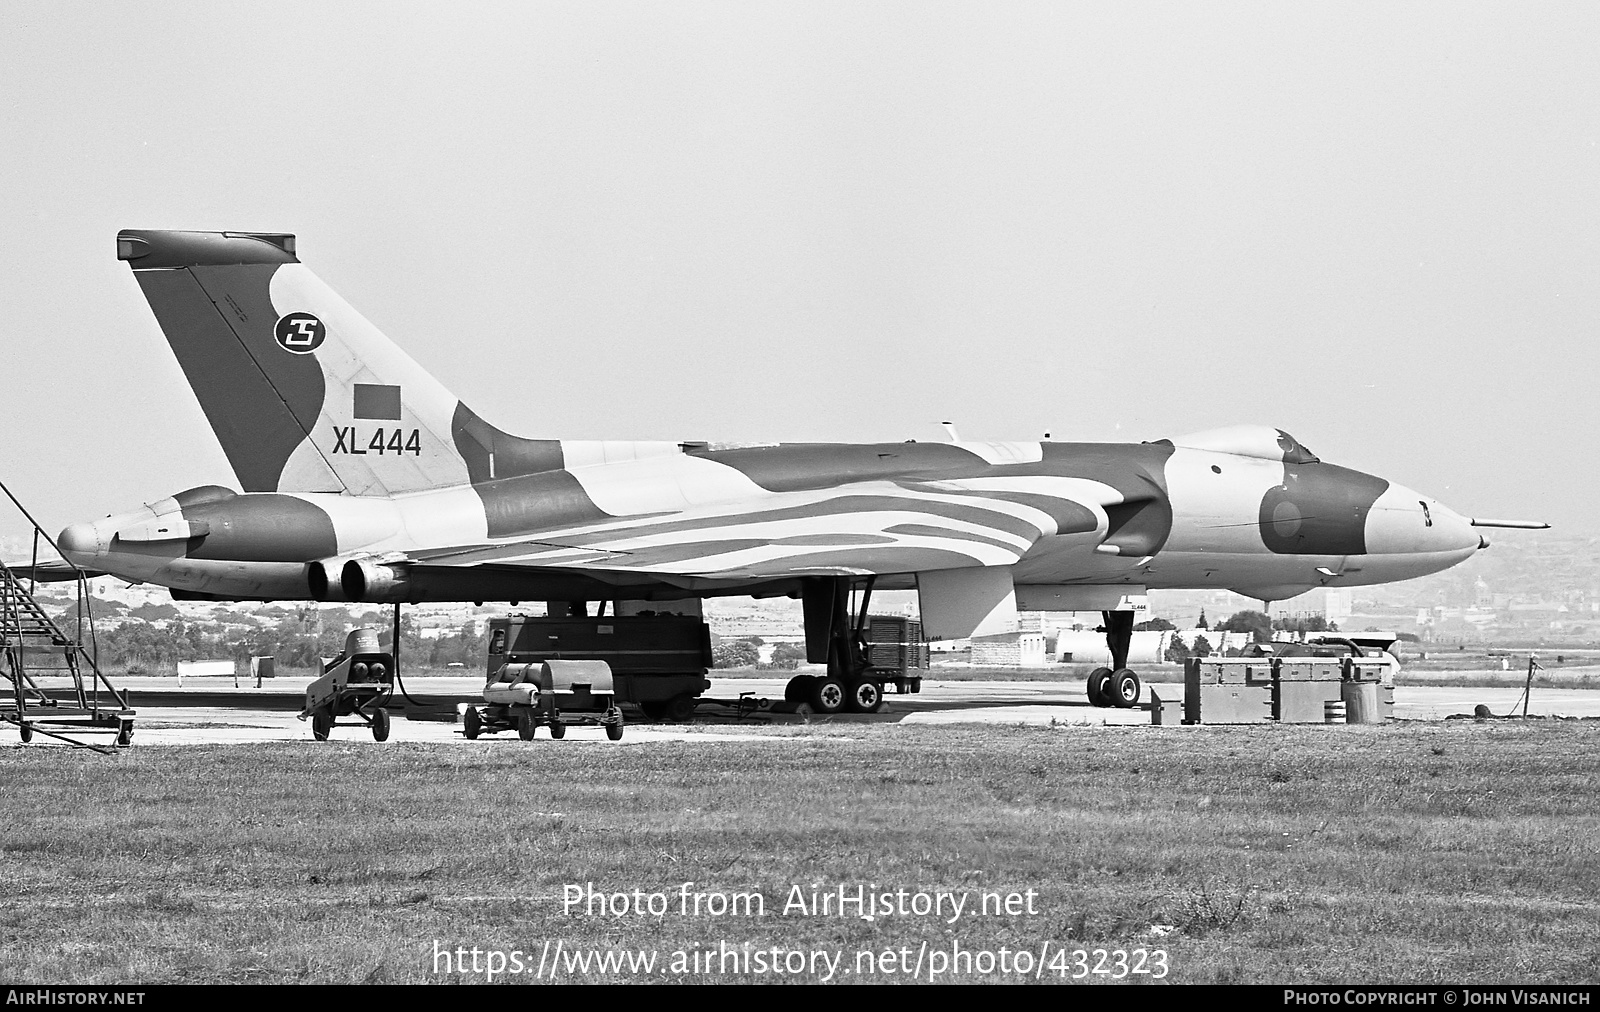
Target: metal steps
(50, 683)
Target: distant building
(1337, 605)
(1009, 650)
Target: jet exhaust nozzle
(322, 582)
(368, 581)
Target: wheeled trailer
(357, 683)
(553, 694)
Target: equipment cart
(357, 683)
(553, 694)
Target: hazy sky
(1373, 225)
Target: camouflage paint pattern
(360, 471)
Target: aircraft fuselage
(1257, 514)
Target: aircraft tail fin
(304, 394)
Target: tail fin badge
(300, 333)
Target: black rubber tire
(828, 695)
(26, 732)
(865, 696)
(321, 724)
(614, 731)
(680, 708)
(471, 723)
(125, 733)
(558, 730)
(799, 689)
(1095, 687)
(522, 719)
(1123, 690)
(380, 724)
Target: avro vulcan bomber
(361, 478)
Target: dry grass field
(1455, 852)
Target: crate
(1231, 704)
(1361, 669)
(1301, 701)
(895, 643)
(1228, 690)
(1232, 670)
(1310, 669)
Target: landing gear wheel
(1095, 688)
(680, 708)
(526, 726)
(865, 696)
(799, 689)
(321, 724)
(125, 733)
(828, 695)
(471, 723)
(1123, 689)
(380, 724)
(26, 732)
(614, 730)
(558, 730)
(655, 709)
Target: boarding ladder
(50, 681)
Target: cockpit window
(1261, 441)
(1293, 451)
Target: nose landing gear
(1117, 685)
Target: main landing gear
(835, 693)
(851, 685)
(1117, 685)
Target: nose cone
(79, 543)
(1406, 522)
